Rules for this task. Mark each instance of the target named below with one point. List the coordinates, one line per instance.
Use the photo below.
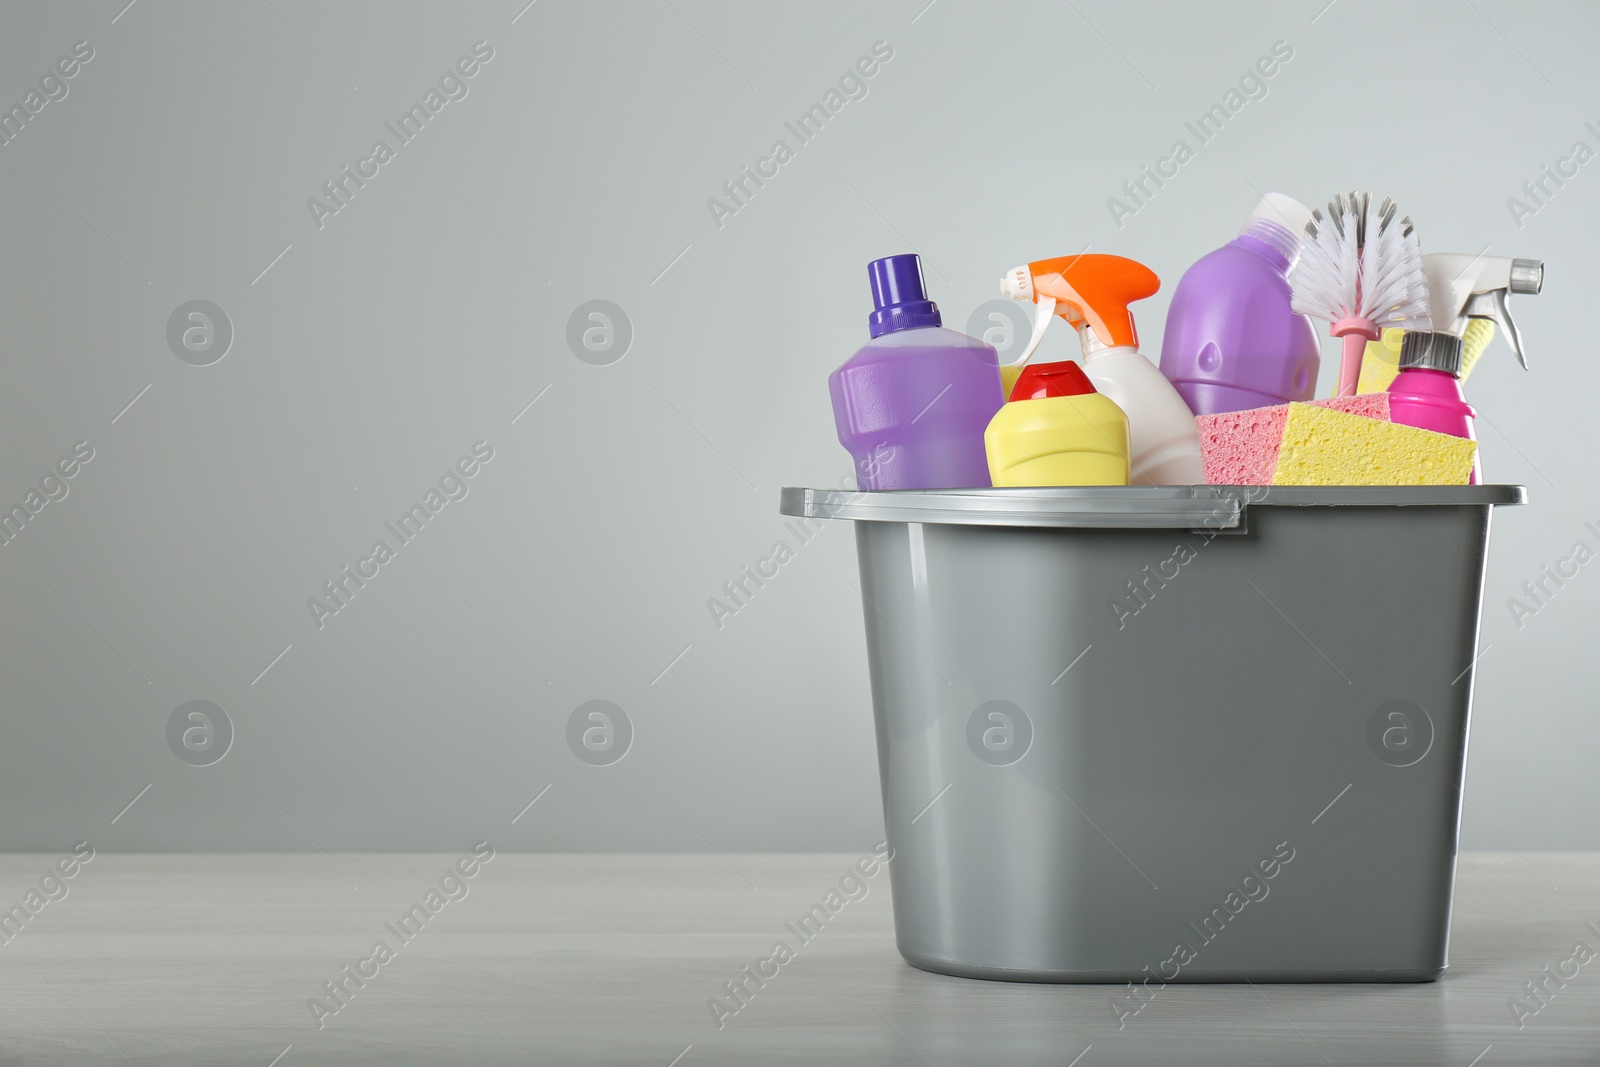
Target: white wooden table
(207, 959)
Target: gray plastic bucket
(1171, 734)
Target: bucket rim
(1121, 506)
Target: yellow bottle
(1057, 430)
(1381, 362)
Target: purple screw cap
(899, 296)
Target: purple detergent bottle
(1232, 340)
(911, 406)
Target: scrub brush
(1361, 269)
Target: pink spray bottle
(1427, 391)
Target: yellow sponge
(1326, 447)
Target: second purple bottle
(1232, 340)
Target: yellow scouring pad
(1326, 447)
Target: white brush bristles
(1360, 261)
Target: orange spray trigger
(1096, 289)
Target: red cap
(1040, 380)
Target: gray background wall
(372, 352)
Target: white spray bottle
(1092, 292)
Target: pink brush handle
(1356, 334)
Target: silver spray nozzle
(1527, 276)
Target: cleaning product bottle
(1058, 430)
(911, 406)
(1093, 291)
(1427, 391)
(1233, 341)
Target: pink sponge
(1241, 447)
